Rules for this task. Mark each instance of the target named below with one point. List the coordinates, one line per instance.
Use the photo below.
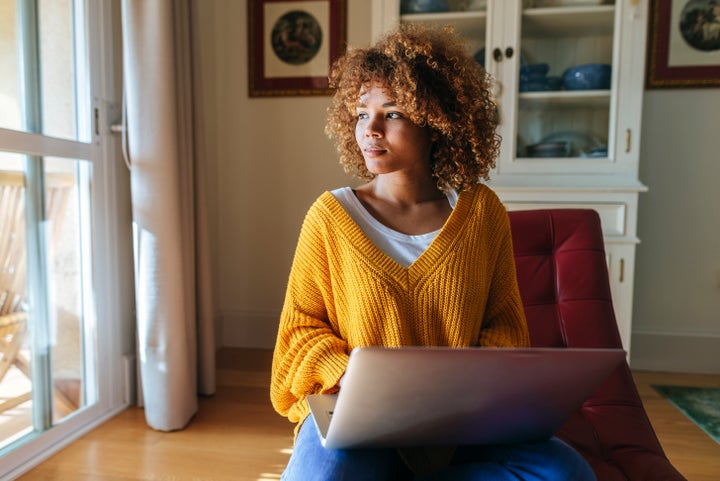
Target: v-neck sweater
(344, 292)
(402, 248)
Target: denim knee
(566, 462)
(551, 460)
(310, 461)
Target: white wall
(269, 159)
(676, 319)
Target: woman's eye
(362, 115)
(394, 115)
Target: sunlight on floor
(280, 467)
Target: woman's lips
(374, 151)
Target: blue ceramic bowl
(534, 85)
(423, 6)
(480, 56)
(534, 70)
(595, 76)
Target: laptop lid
(434, 396)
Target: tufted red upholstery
(562, 273)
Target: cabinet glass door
(555, 65)
(565, 85)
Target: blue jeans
(551, 460)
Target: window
(61, 229)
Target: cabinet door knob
(509, 52)
(497, 54)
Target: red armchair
(562, 274)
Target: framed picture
(684, 44)
(292, 44)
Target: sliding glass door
(54, 154)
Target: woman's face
(389, 141)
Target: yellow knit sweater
(344, 292)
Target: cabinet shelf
(470, 24)
(564, 98)
(568, 21)
(545, 22)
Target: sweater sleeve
(309, 355)
(504, 324)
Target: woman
(419, 254)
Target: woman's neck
(411, 208)
(400, 191)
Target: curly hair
(432, 77)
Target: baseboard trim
(251, 329)
(683, 352)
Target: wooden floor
(237, 436)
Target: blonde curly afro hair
(432, 77)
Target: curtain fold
(176, 351)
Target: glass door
(47, 321)
(565, 86)
(562, 96)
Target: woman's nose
(373, 128)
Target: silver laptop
(433, 396)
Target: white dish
(578, 142)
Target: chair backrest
(565, 289)
(562, 274)
(12, 243)
(13, 253)
(13, 270)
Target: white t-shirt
(402, 248)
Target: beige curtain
(173, 295)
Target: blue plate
(594, 76)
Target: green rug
(700, 404)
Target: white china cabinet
(596, 129)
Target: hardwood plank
(695, 454)
(236, 434)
